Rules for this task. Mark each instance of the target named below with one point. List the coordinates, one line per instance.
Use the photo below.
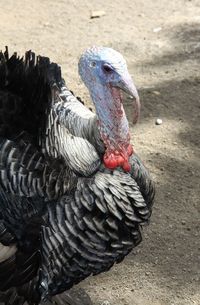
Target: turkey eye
(93, 64)
(107, 68)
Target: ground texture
(161, 42)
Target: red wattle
(126, 166)
(113, 160)
(110, 162)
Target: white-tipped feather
(6, 251)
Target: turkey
(74, 195)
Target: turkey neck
(111, 119)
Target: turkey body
(63, 214)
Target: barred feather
(63, 215)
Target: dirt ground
(161, 42)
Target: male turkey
(73, 193)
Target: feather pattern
(84, 234)
(63, 215)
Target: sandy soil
(161, 42)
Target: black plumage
(63, 215)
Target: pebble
(156, 30)
(105, 303)
(97, 14)
(156, 92)
(46, 24)
(159, 121)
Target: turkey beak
(126, 84)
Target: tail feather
(27, 88)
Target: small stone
(156, 92)
(97, 14)
(156, 30)
(105, 303)
(183, 222)
(159, 121)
